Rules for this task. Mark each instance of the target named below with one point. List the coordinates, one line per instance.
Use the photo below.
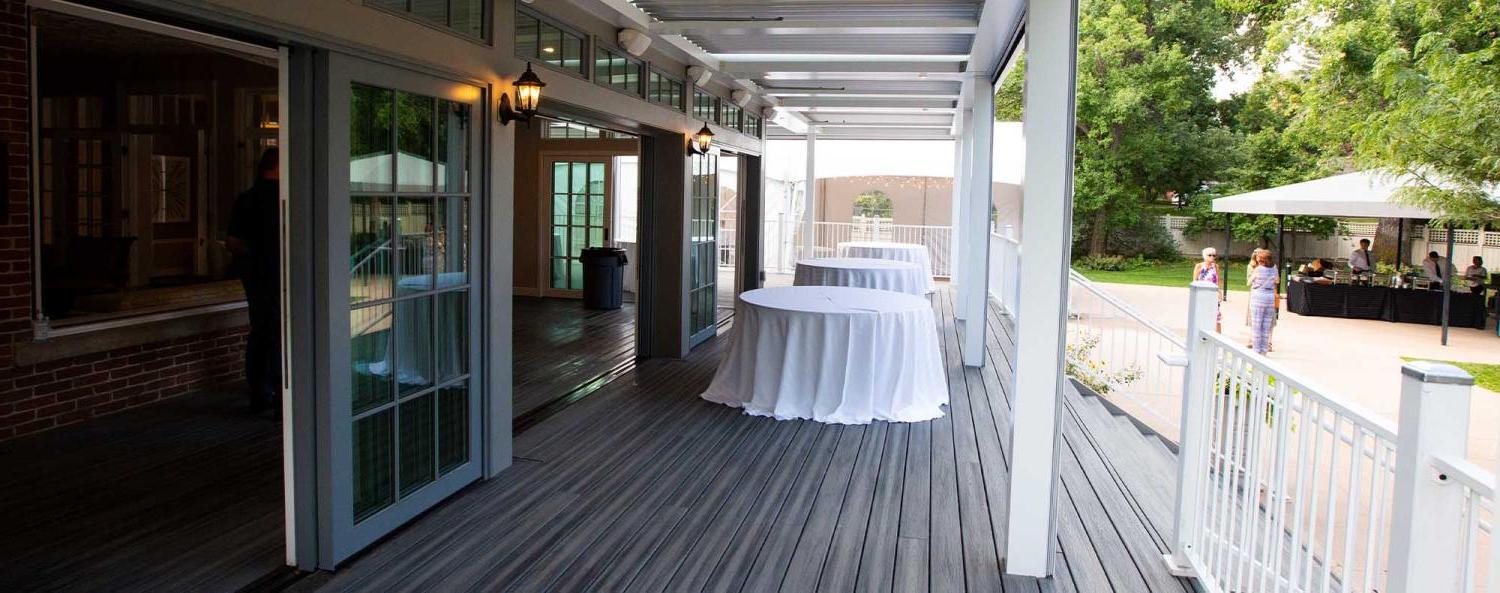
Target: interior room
(576, 188)
(144, 142)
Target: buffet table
(879, 274)
(1383, 302)
(907, 252)
(833, 354)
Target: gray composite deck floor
(644, 487)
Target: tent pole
(1280, 247)
(1447, 273)
(1228, 244)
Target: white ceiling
(847, 68)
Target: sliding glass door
(703, 248)
(400, 417)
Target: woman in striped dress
(1265, 301)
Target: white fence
(1005, 270)
(781, 255)
(1128, 359)
(1283, 487)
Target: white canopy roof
(1353, 195)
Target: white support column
(955, 233)
(1427, 511)
(1203, 309)
(810, 197)
(1051, 46)
(976, 221)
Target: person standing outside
(1208, 271)
(255, 241)
(1265, 302)
(1475, 275)
(1360, 262)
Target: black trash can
(603, 277)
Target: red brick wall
(38, 397)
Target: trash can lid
(603, 251)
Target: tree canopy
(1409, 87)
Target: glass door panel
(579, 190)
(403, 419)
(703, 248)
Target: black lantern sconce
(528, 94)
(703, 140)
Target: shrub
(1145, 238)
(1105, 263)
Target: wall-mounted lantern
(528, 95)
(703, 140)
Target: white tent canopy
(1365, 194)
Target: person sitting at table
(1475, 275)
(1435, 267)
(1360, 261)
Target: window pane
(414, 159)
(452, 256)
(526, 36)
(453, 334)
(370, 260)
(370, 355)
(601, 65)
(596, 178)
(575, 274)
(452, 147)
(418, 459)
(560, 209)
(467, 17)
(551, 44)
(580, 178)
(414, 337)
(416, 251)
(596, 212)
(370, 150)
(572, 52)
(580, 210)
(432, 11)
(453, 427)
(373, 464)
(559, 265)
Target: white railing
(1285, 487)
(1005, 271)
(784, 237)
(1128, 359)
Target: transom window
(618, 71)
(751, 125)
(665, 90)
(729, 116)
(704, 105)
(465, 17)
(565, 130)
(547, 42)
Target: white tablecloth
(833, 354)
(907, 252)
(880, 274)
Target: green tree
(873, 204)
(1147, 123)
(1410, 87)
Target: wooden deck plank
(775, 555)
(809, 558)
(840, 571)
(877, 563)
(946, 540)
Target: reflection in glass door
(703, 248)
(580, 218)
(405, 427)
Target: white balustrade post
(1427, 510)
(1193, 433)
(810, 197)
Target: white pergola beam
(759, 68)
(862, 94)
(819, 27)
(1041, 317)
(847, 102)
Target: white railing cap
(1441, 373)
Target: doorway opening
(576, 187)
(728, 281)
(146, 138)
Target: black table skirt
(1383, 302)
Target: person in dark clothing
(255, 241)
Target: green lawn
(1485, 375)
(1166, 274)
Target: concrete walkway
(1358, 360)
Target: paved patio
(1357, 359)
